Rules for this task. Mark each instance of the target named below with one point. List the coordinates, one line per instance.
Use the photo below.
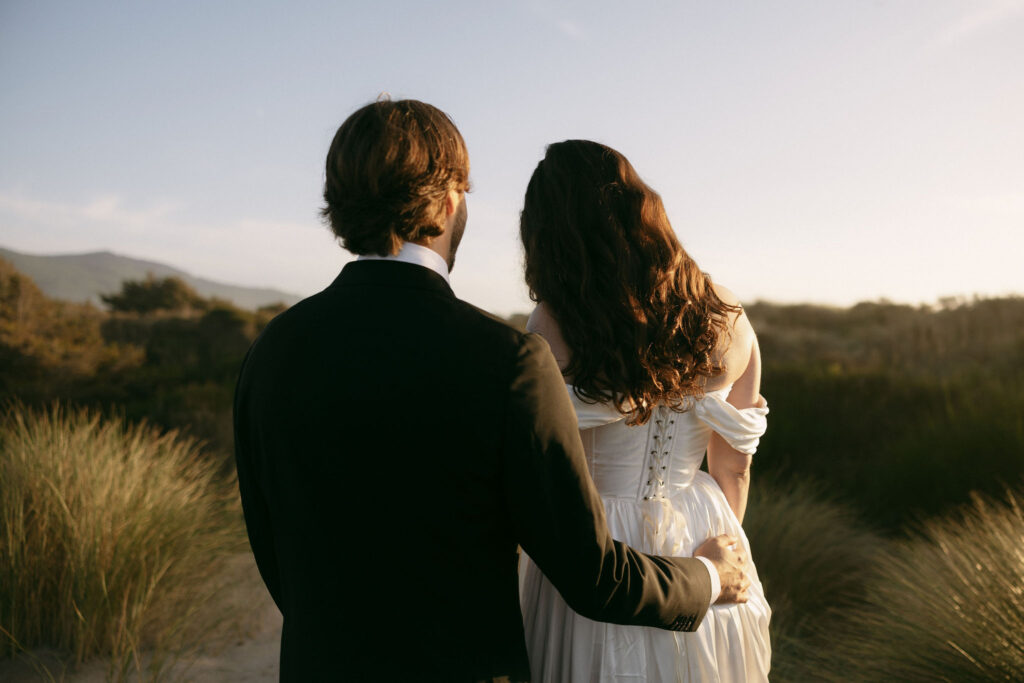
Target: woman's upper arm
(742, 356)
(746, 390)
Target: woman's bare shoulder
(544, 323)
(735, 346)
(728, 297)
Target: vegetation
(813, 556)
(113, 532)
(886, 421)
(150, 295)
(902, 412)
(947, 604)
(111, 536)
(163, 354)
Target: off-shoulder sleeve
(590, 415)
(741, 428)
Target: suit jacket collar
(391, 274)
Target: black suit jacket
(394, 444)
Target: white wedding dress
(658, 501)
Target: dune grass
(813, 556)
(944, 605)
(111, 537)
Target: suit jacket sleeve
(254, 504)
(560, 519)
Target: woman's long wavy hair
(640, 318)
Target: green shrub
(153, 294)
(111, 536)
(896, 447)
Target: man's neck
(417, 254)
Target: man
(395, 444)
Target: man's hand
(725, 553)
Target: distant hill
(84, 277)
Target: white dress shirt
(417, 254)
(716, 583)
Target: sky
(807, 151)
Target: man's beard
(458, 227)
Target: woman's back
(661, 458)
(663, 367)
(657, 500)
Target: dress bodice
(660, 458)
(657, 500)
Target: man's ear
(451, 202)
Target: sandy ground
(249, 652)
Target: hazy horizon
(958, 296)
(807, 152)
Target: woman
(662, 366)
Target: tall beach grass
(112, 536)
(945, 605)
(813, 557)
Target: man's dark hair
(388, 170)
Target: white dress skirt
(657, 500)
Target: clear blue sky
(806, 151)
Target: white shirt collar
(417, 254)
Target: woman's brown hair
(640, 318)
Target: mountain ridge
(85, 276)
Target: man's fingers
(729, 557)
(735, 583)
(734, 596)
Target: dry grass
(812, 555)
(112, 537)
(947, 605)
